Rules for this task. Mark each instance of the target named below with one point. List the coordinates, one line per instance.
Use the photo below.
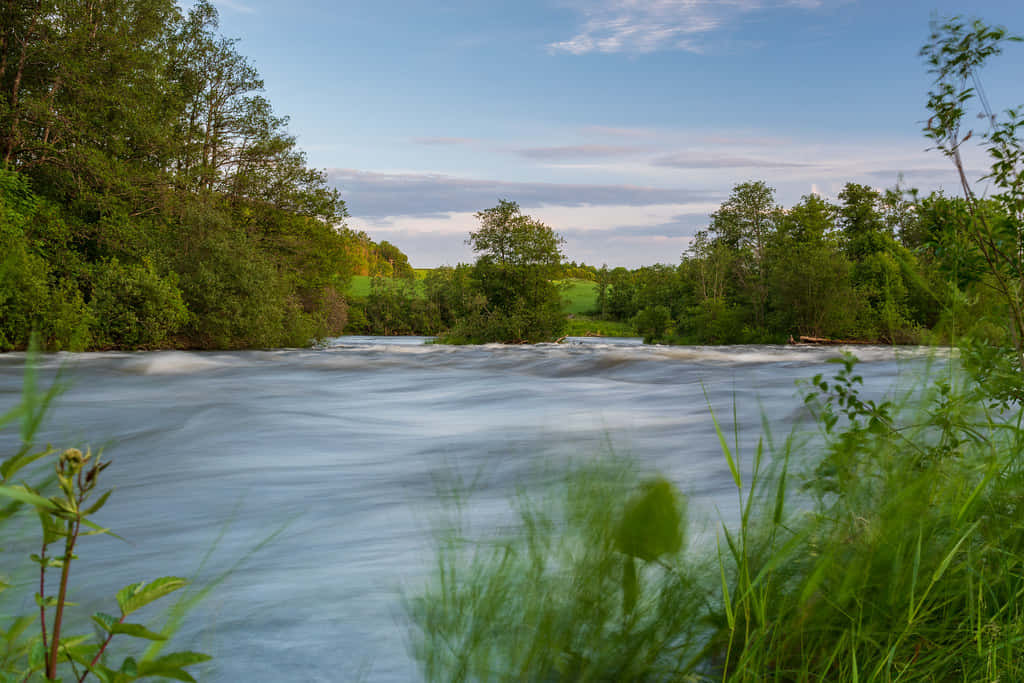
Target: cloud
(687, 161)
(923, 174)
(619, 235)
(641, 26)
(443, 141)
(575, 152)
(620, 131)
(378, 195)
(678, 226)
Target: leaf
(97, 529)
(20, 494)
(652, 522)
(721, 440)
(37, 656)
(170, 666)
(11, 466)
(136, 631)
(104, 621)
(131, 598)
(17, 628)
(49, 601)
(130, 667)
(99, 503)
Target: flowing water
(346, 449)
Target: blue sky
(620, 123)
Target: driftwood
(803, 340)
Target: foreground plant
(65, 520)
(956, 54)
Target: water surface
(347, 445)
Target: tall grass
(893, 552)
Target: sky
(622, 124)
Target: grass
(361, 285)
(580, 295)
(896, 555)
(584, 326)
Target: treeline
(508, 294)
(884, 266)
(150, 196)
(888, 266)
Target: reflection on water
(346, 444)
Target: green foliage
(134, 306)
(580, 296)
(584, 326)
(652, 323)
(552, 600)
(518, 260)
(138, 164)
(955, 55)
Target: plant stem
(51, 664)
(42, 592)
(103, 647)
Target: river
(345, 448)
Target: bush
(652, 323)
(134, 307)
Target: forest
(150, 197)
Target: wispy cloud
(631, 132)
(688, 161)
(445, 141)
(641, 26)
(576, 152)
(376, 195)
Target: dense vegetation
(510, 294)
(890, 266)
(150, 196)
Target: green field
(360, 285)
(579, 296)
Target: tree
(518, 259)
(745, 223)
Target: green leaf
(37, 656)
(20, 494)
(137, 631)
(49, 601)
(137, 595)
(104, 621)
(11, 466)
(97, 529)
(99, 503)
(652, 522)
(129, 667)
(724, 444)
(17, 628)
(170, 666)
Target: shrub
(134, 307)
